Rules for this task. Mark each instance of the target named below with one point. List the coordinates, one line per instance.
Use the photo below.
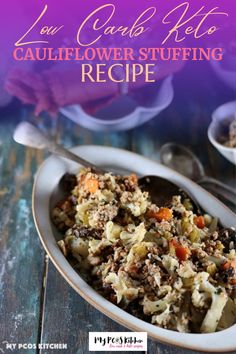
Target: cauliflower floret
(164, 290)
(105, 268)
(170, 263)
(104, 195)
(150, 307)
(199, 299)
(81, 214)
(138, 250)
(201, 282)
(163, 318)
(111, 181)
(122, 286)
(162, 308)
(130, 238)
(203, 290)
(232, 255)
(213, 315)
(95, 246)
(178, 284)
(138, 204)
(62, 246)
(112, 231)
(177, 205)
(157, 278)
(182, 322)
(79, 247)
(185, 270)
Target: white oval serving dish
(45, 185)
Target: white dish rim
(136, 112)
(202, 342)
(216, 119)
(213, 140)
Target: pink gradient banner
(55, 54)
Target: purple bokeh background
(49, 85)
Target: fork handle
(61, 151)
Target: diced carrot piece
(182, 252)
(151, 214)
(133, 177)
(199, 221)
(226, 265)
(91, 185)
(161, 214)
(174, 243)
(229, 264)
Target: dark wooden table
(36, 304)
